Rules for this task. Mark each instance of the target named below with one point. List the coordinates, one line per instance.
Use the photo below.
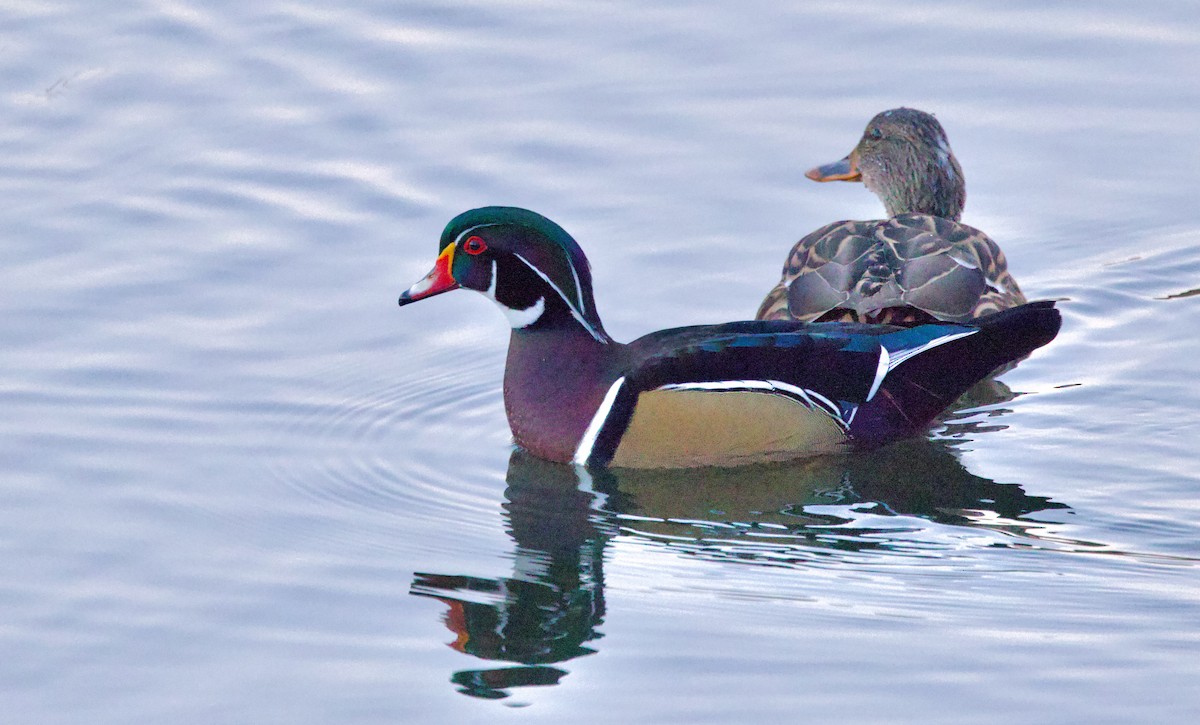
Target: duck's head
(904, 157)
(525, 263)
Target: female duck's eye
(474, 245)
(875, 134)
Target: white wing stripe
(903, 355)
(881, 371)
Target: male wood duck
(919, 265)
(717, 395)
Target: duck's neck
(934, 187)
(554, 380)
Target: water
(241, 486)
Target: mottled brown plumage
(918, 266)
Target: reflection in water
(554, 600)
(548, 611)
(913, 496)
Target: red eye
(474, 245)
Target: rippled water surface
(239, 485)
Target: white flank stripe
(821, 399)
(584, 450)
(575, 312)
(804, 395)
(881, 371)
(720, 385)
(810, 398)
(813, 398)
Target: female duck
(706, 395)
(919, 265)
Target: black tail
(921, 387)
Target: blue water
(239, 485)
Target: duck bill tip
(438, 280)
(409, 296)
(844, 170)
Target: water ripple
(373, 446)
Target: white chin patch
(516, 318)
(525, 317)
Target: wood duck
(716, 395)
(919, 265)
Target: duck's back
(910, 269)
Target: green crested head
(524, 262)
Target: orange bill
(844, 170)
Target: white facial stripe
(575, 312)
(578, 287)
(491, 290)
(465, 232)
(584, 450)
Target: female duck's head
(904, 157)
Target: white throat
(525, 317)
(516, 318)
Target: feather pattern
(921, 264)
(908, 269)
(830, 370)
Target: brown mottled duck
(919, 265)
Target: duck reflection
(550, 609)
(552, 604)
